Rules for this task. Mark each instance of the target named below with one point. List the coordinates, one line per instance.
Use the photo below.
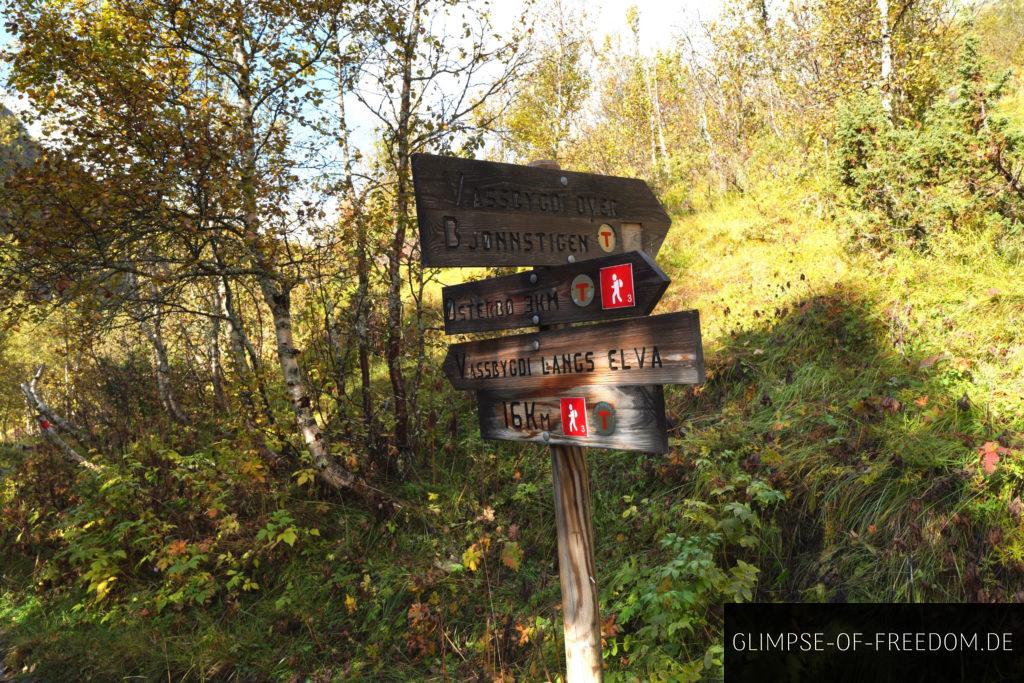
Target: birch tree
(427, 92)
(160, 95)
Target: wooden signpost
(593, 385)
(482, 213)
(621, 286)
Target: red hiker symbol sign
(574, 416)
(617, 286)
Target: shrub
(958, 168)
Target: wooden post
(581, 621)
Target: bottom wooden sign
(628, 418)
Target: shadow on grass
(875, 448)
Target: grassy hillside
(837, 452)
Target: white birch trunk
(275, 294)
(43, 409)
(49, 422)
(885, 57)
(164, 387)
(658, 117)
(213, 351)
(279, 301)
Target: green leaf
(288, 536)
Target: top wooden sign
(483, 213)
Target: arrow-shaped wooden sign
(621, 286)
(660, 349)
(626, 418)
(482, 213)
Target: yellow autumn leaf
(350, 603)
(305, 476)
(471, 558)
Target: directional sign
(627, 418)
(621, 286)
(482, 213)
(660, 349)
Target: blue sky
(661, 22)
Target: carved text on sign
(559, 364)
(515, 241)
(485, 309)
(511, 199)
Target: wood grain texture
(635, 417)
(482, 213)
(511, 301)
(660, 349)
(576, 567)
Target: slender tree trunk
(243, 353)
(362, 301)
(194, 358)
(70, 453)
(650, 119)
(43, 409)
(275, 293)
(339, 351)
(246, 376)
(348, 199)
(152, 329)
(363, 328)
(394, 334)
(705, 133)
(656, 103)
(279, 300)
(214, 353)
(417, 287)
(49, 422)
(885, 57)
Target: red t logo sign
(603, 414)
(582, 287)
(606, 236)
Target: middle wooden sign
(620, 286)
(659, 349)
